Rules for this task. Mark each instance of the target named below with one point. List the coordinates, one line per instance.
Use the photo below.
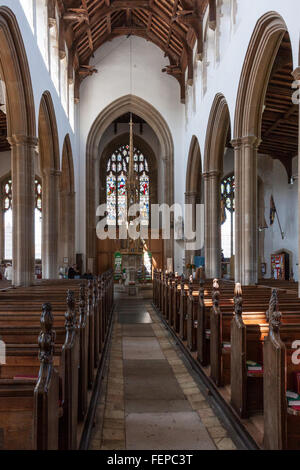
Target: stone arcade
(151, 102)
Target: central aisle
(152, 402)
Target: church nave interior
(149, 227)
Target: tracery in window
(8, 218)
(7, 208)
(116, 178)
(38, 219)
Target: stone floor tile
(113, 434)
(206, 413)
(210, 421)
(163, 431)
(226, 444)
(217, 431)
(113, 445)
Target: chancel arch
(21, 135)
(113, 175)
(165, 158)
(264, 116)
(217, 141)
(50, 171)
(67, 207)
(194, 190)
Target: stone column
(191, 198)
(212, 224)
(296, 75)
(50, 224)
(22, 168)
(71, 227)
(67, 227)
(237, 145)
(168, 244)
(246, 210)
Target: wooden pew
(183, 310)
(246, 392)
(84, 353)
(281, 422)
(243, 330)
(29, 408)
(192, 317)
(175, 302)
(202, 343)
(247, 338)
(68, 364)
(29, 319)
(169, 312)
(220, 331)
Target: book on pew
(254, 367)
(293, 399)
(292, 395)
(227, 345)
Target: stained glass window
(7, 199)
(144, 197)
(116, 194)
(122, 199)
(227, 216)
(38, 219)
(227, 193)
(111, 198)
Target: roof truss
(173, 25)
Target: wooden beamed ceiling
(173, 25)
(280, 119)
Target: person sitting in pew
(88, 275)
(73, 272)
(8, 273)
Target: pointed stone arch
(193, 187)
(216, 136)
(256, 71)
(48, 135)
(21, 130)
(14, 71)
(67, 205)
(194, 168)
(50, 169)
(258, 63)
(155, 120)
